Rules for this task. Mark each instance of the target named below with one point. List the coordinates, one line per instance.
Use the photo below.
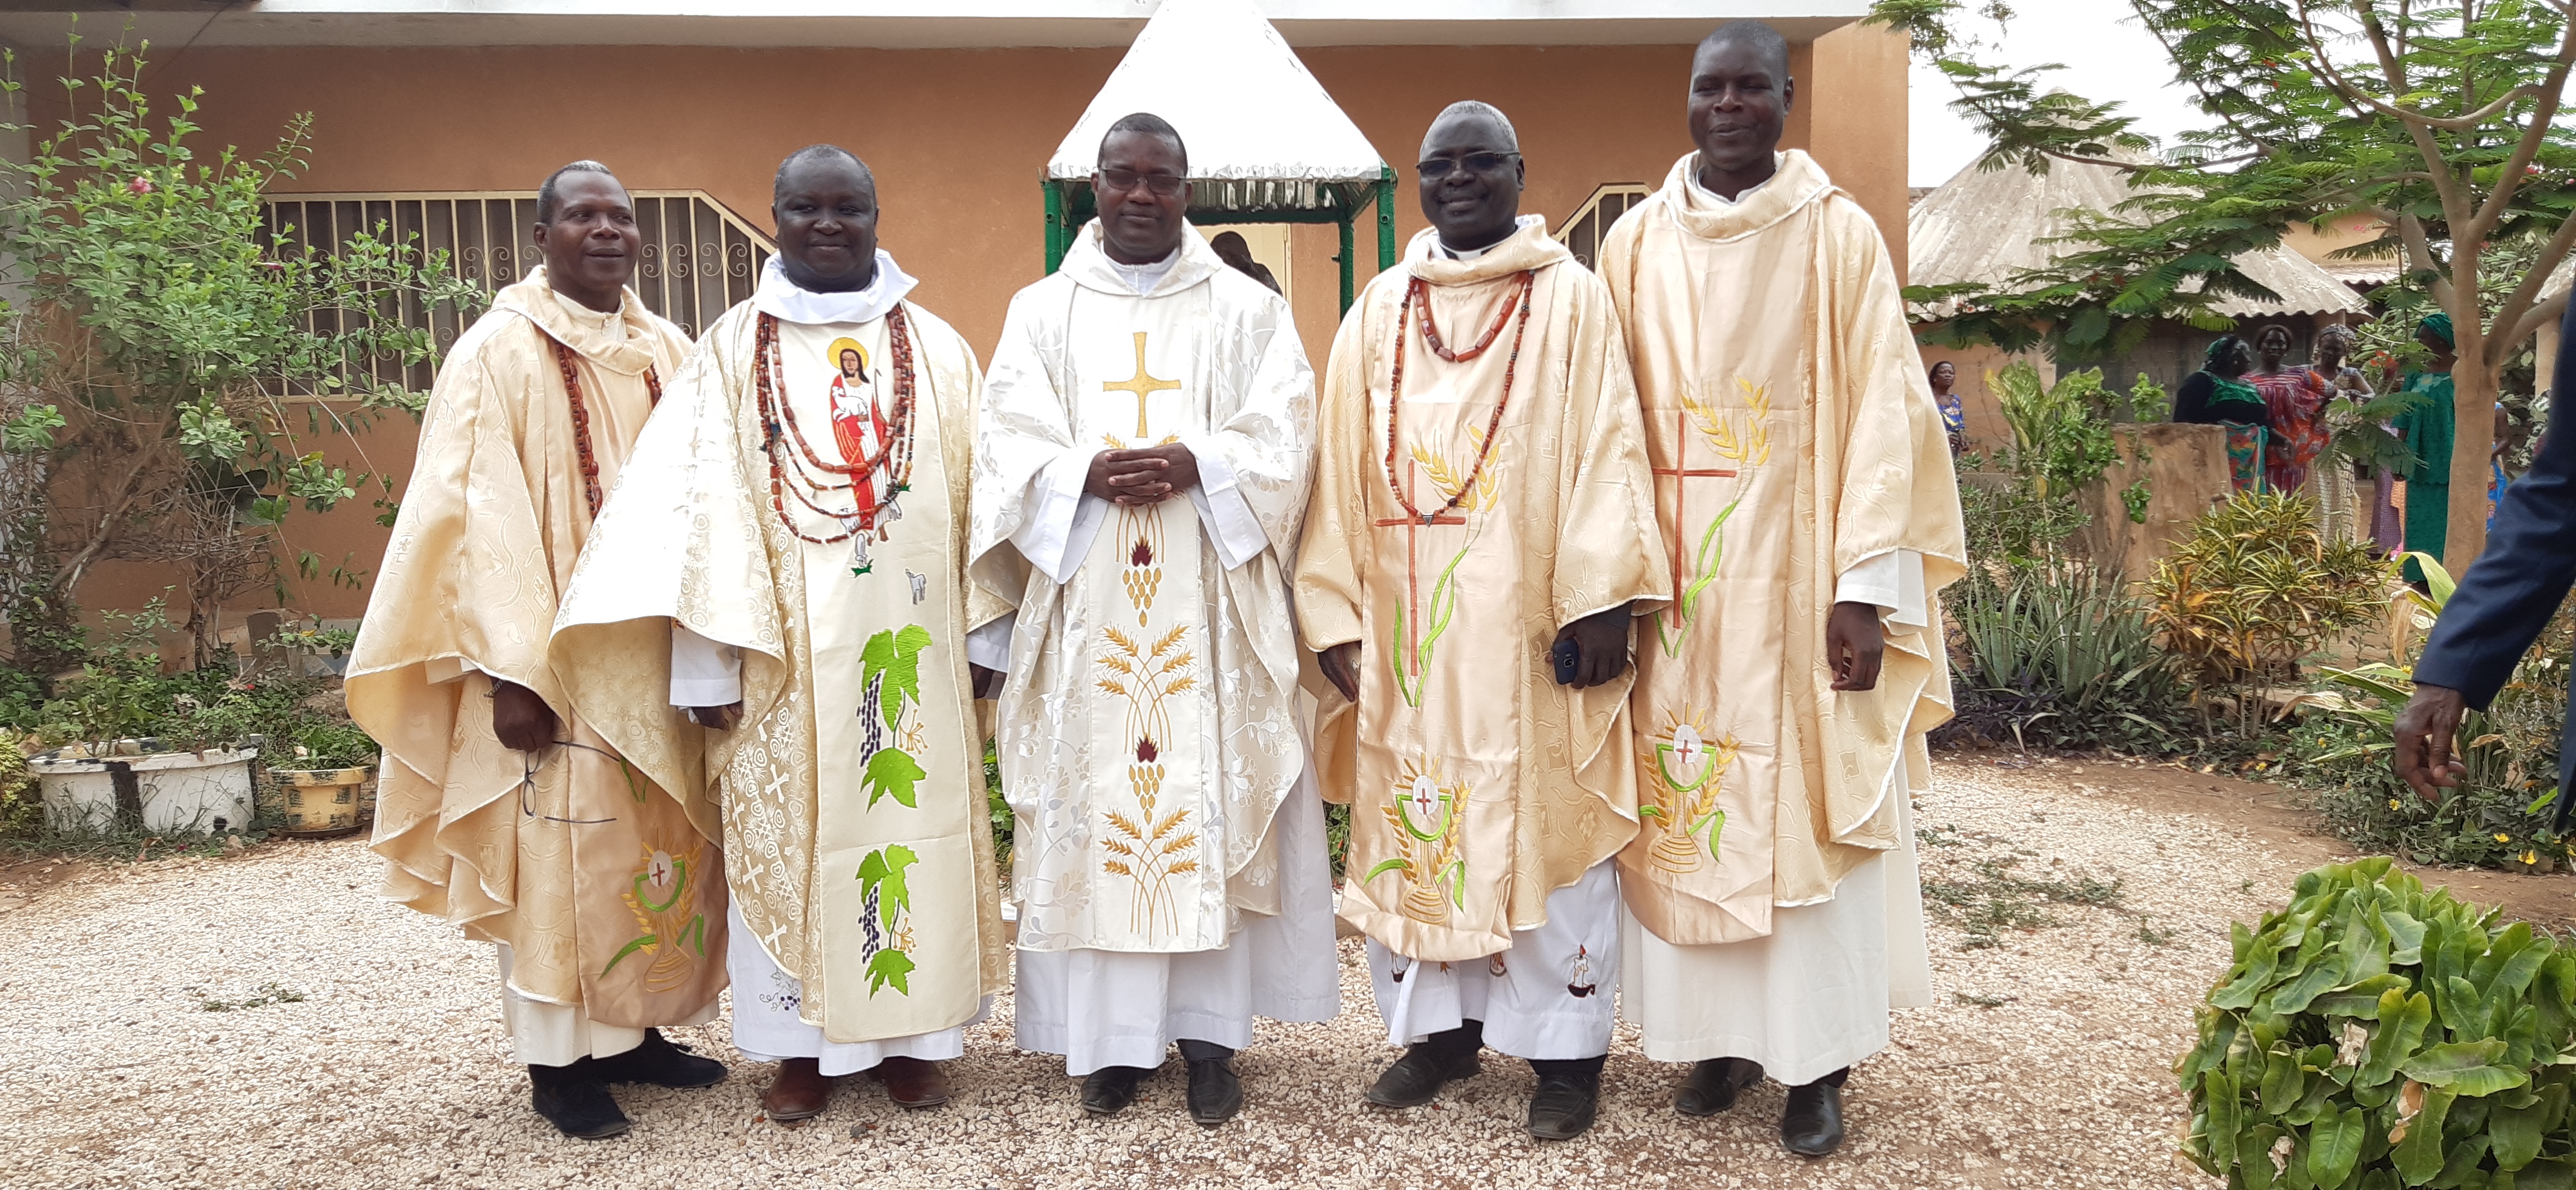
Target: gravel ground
(2044, 1064)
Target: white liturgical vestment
(1168, 858)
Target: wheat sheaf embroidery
(1148, 847)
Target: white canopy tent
(1266, 143)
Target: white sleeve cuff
(703, 672)
(1892, 581)
(442, 670)
(1061, 518)
(990, 645)
(1222, 508)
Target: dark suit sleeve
(2509, 594)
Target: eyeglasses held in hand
(1482, 163)
(1163, 185)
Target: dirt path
(262, 1020)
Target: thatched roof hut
(1989, 225)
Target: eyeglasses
(1483, 163)
(1162, 185)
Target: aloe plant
(2376, 1035)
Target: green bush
(2499, 817)
(2254, 591)
(2375, 1035)
(22, 812)
(2057, 654)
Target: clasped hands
(1855, 643)
(1142, 476)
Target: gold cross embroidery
(1142, 384)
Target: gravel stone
(391, 1070)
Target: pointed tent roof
(1255, 120)
(1987, 225)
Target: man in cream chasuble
(797, 510)
(1142, 469)
(502, 808)
(1510, 515)
(1804, 486)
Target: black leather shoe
(1216, 1094)
(1713, 1085)
(1108, 1090)
(660, 1063)
(1563, 1107)
(576, 1101)
(1415, 1078)
(1812, 1124)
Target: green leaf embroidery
(893, 771)
(890, 968)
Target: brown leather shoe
(912, 1083)
(798, 1092)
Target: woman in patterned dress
(2218, 395)
(2296, 399)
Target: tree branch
(2534, 136)
(2520, 303)
(2537, 317)
(2455, 207)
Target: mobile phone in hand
(1565, 656)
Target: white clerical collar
(1701, 191)
(1473, 253)
(1144, 277)
(596, 322)
(781, 298)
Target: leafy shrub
(2056, 654)
(2254, 590)
(2499, 816)
(22, 812)
(2061, 441)
(2374, 1035)
(325, 745)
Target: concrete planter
(326, 803)
(171, 792)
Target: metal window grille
(1582, 233)
(699, 257)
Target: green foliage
(328, 745)
(161, 330)
(2057, 654)
(2254, 589)
(2440, 120)
(22, 812)
(2499, 817)
(998, 809)
(2371, 1034)
(2061, 442)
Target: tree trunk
(2473, 400)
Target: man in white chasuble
(503, 809)
(1803, 484)
(1141, 471)
(786, 561)
(1480, 542)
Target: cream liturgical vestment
(600, 882)
(1799, 460)
(857, 845)
(1478, 785)
(1150, 736)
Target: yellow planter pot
(321, 803)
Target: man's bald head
(1492, 129)
(816, 155)
(1765, 42)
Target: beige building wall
(958, 140)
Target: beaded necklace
(1420, 290)
(581, 418)
(778, 426)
